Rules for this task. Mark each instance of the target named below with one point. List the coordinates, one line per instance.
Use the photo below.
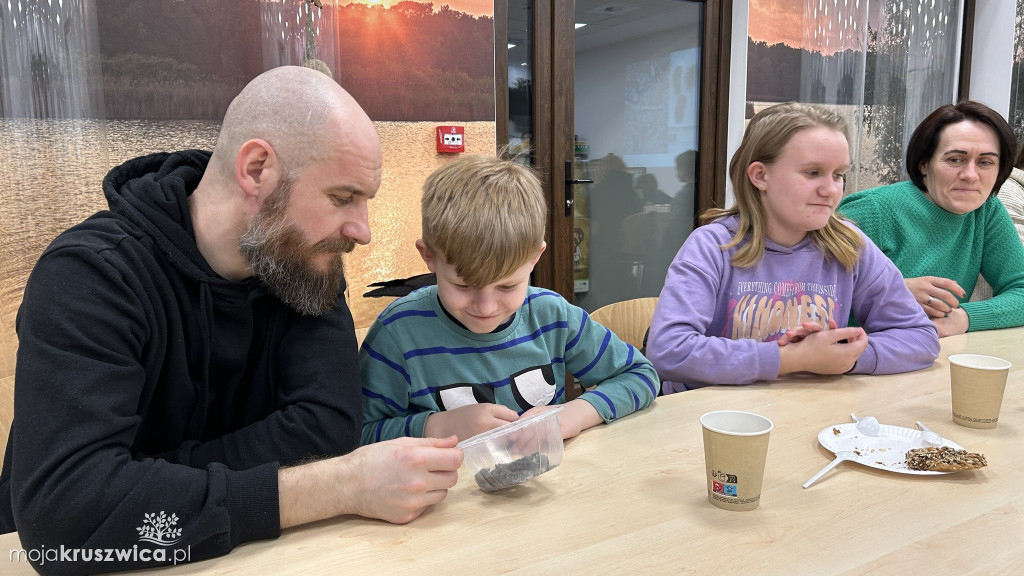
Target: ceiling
(609, 22)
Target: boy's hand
(575, 417)
(824, 352)
(468, 421)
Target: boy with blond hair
(483, 347)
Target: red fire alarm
(451, 139)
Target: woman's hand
(957, 322)
(936, 295)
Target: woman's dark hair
(925, 138)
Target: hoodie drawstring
(197, 421)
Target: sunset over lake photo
(474, 7)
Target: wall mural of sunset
(169, 69)
(402, 60)
(473, 7)
(416, 61)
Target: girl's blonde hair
(766, 134)
(485, 216)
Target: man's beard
(281, 257)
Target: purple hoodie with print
(718, 324)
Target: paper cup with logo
(735, 448)
(976, 385)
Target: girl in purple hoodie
(769, 286)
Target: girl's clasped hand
(822, 350)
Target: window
(885, 65)
(1016, 116)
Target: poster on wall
(581, 255)
(581, 219)
(661, 107)
(682, 102)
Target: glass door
(612, 103)
(637, 102)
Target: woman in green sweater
(943, 227)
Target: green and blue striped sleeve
(387, 411)
(618, 378)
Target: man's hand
(824, 351)
(935, 294)
(468, 421)
(575, 417)
(394, 480)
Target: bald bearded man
(187, 374)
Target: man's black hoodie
(146, 384)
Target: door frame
(553, 80)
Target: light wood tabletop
(631, 497)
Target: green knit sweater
(922, 239)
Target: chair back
(629, 319)
(638, 237)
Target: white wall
(737, 88)
(992, 56)
(601, 92)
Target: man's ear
(756, 172)
(426, 254)
(257, 168)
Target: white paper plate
(887, 451)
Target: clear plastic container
(516, 452)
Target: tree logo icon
(157, 528)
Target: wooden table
(630, 497)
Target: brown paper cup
(976, 385)
(735, 448)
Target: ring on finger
(929, 301)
